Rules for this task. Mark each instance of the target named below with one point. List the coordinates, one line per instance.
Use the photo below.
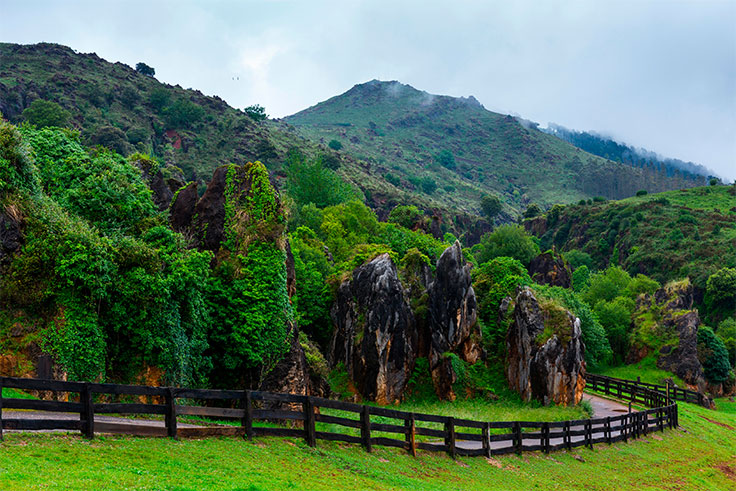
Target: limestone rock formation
(545, 352)
(550, 268)
(452, 319)
(682, 359)
(375, 335)
(182, 208)
(11, 236)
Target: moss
(556, 322)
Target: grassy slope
(641, 230)
(399, 129)
(700, 457)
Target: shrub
(256, 112)
(446, 159)
(533, 210)
(727, 332)
(490, 205)
(144, 69)
(43, 113)
(335, 145)
(406, 216)
(308, 181)
(506, 240)
(713, 355)
(182, 114)
(112, 138)
(428, 185)
(642, 192)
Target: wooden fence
(317, 418)
(606, 384)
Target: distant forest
(644, 159)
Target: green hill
(409, 137)
(667, 236)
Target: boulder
(182, 208)
(682, 359)
(452, 319)
(550, 268)
(375, 335)
(545, 352)
(290, 375)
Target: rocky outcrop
(182, 208)
(545, 352)
(550, 268)
(452, 320)
(375, 335)
(682, 359)
(11, 235)
(163, 188)
(290, 375)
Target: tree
(446, 159)
(144, 69)
(159, 98)
(256, 112)
(713, 355)
(491, 206)
(720, 294)
(112, 138)
(335, 145)
(43, 113)
(509, 241)
(533, 210)
(406, 216)
(311, 182)
(727, 332)
(428, 185)
(183, 114)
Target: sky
(651, 73)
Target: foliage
(446, 159)
(713, 355)
(144, 69)
(309, 181)
(113, 138)
(405, 215)
(428, 185)
(493, 281)
(42, 113)
(727, 333)
(335, 145)
(256, 112)
(508, 241)
(533, 210)
(607, 285)
(578, 258)
(491, 206)
(182, 114)
(615, 317)
(581, 279)
(17, 169)
(720, 294)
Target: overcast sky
(656, 74)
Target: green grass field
(646, 369)
(701, 455)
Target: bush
(256, 112)
(159, 99)
(428, 185)
(112, 138)
(642, 192)
(311, 182)
(406, 216)
(490, 205)
(446, 159)
(533, 210)
(713, 355)
(43, 113)
(506, 240)
(578, 258)
(182, 114)
(335, 145)
(392, 179)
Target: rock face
(682, 360)
(550, 268)
(548, 368)
(11, 237)
(452, 319)
(375, 335)
(182, 209)
(290, 374)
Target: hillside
(621, 152)
(410, 137)
(667, 236)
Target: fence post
(365, 428)
(309, 427)
(88, 412)
(411, 429)
(589, 433)
(486, 439)
(545, 437)
(450, 436)
(517, 437)
(608, 430)
(170, 416)
(247, 421)
(566, 439)
(1, 409)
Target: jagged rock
(436, 227)
(290, 375)
(11, 236)
(682, 359)
(182, 209)
(550, 268)
(209, 222)
(453, 324)
(375, 334)
(545, 364)
(678, 296)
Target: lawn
(701, 455)
(646, 369)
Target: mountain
(621, 152)
(409, 137)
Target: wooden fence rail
(316, 418)
(607, 385)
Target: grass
(15, 394)
(700, 456)
(646, 369)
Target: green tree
(727, 333)
(310, 182)
(446, 159)
(182, 114)
(581, 278)
(335, 145)
(615, 317)
(256, 112)
(406, 216)
(159, 98)
(509, 241)
(144, 69)
(490, 205)
(533, 210)
(713, 355)
(578, 258)
(720, 294)
(43, 113)
(112, 138)
(428, 185)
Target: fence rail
(602, 382)
(316, 418)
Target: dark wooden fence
(606, 384)
(315, 418)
